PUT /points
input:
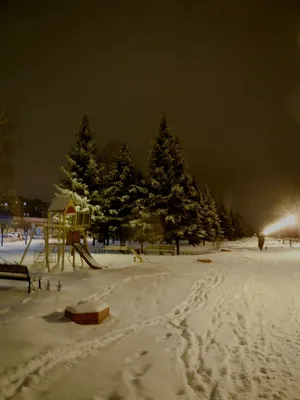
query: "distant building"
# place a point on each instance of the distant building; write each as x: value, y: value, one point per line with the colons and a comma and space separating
x: 34, y: 208
x: 23, y: 207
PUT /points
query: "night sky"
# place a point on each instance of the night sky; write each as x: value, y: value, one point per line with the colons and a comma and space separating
x: 225, y: 72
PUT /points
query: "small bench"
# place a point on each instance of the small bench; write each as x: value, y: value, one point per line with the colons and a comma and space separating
x: 160, y: 248
x: 20, y: 273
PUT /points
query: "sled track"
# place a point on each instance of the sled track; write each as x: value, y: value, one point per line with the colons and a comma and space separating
x: 27, y: 374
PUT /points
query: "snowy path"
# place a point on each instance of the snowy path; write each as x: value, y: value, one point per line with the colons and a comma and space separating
x: 227, y: 331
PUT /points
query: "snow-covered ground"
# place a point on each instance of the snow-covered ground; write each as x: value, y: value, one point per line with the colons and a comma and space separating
x: 178, y: 329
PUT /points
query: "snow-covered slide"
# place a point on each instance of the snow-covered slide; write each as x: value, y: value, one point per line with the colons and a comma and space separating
x: 86, y: 255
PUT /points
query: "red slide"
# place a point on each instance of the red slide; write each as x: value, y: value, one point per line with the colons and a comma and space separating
x: 85, y: 254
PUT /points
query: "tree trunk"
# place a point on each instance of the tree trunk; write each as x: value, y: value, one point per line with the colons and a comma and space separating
x: 107, y: 241
x: 142, y: 247
x: 94, y: 240
x: 177, y: 247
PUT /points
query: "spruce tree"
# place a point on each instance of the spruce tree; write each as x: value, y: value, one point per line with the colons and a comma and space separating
x: 237, y: 225
x: 145, y: 227
x: 241, y: 228
x: 232, y: 224
x: 211, y: 220
x: 225, y: 220
x: 108, y: 153
x: 196, y: 232
x: 170, y: 186
x: 81, y: 175
x: 120, y: 195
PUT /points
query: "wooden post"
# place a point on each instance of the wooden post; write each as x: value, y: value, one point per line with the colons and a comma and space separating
x: 85, y: 241
x: 74, y: 257
x: 63, y: 242
x: 28, y: 245
x: 58, y: 239
x: 46, y: 237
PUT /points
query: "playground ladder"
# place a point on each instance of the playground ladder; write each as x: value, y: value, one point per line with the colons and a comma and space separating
x: 39, y: 257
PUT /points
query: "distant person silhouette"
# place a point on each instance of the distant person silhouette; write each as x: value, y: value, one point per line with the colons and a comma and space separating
x: 261, y: 241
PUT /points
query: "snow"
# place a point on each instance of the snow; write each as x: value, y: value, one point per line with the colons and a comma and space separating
x: 178, y: 329
x: 87, y: 306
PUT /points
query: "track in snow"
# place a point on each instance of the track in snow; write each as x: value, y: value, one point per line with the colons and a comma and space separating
x: 28, y: 374
x: 242, y: 354
x: 251, y: 364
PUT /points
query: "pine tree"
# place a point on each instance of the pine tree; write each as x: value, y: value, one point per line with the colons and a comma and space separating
x: 108, y: 154
x: 120, y: 195
x: 170, y: 186
x: 232, y: 224
x: 237, y: 225
x: 241, y: 228
x: 225, y: 220
x: 144, y: 225
x: 196, y: 232
x: 211, y: 220
x: 81, y: 180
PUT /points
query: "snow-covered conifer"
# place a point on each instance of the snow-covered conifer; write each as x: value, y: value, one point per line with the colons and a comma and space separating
x: 225, y: 220
x: 211, y: 220
x: 170, y: 187
x: 81, y: 175
x: 121, y: 192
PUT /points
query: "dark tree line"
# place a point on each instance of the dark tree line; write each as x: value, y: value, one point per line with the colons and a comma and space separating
x: 165, y: 204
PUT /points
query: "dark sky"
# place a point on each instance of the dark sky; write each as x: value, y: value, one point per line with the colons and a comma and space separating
x: 225, y: 72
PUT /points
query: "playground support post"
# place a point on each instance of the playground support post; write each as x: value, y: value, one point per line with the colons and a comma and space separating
x: 26, y: 233
x: 46, y: 238
x: 63, y: 243
x: 28, y: 245
x: 2, y: 233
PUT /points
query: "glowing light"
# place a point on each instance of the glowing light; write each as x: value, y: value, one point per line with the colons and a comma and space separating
x: 283, y: 223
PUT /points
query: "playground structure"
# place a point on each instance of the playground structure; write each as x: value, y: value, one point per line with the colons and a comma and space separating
x: 66, y: 226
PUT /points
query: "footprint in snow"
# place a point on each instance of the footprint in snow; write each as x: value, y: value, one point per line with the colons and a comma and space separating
x: 166, y: 336
x: 263, y: 370
x: 136, y: 356
x: 143, y: 352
